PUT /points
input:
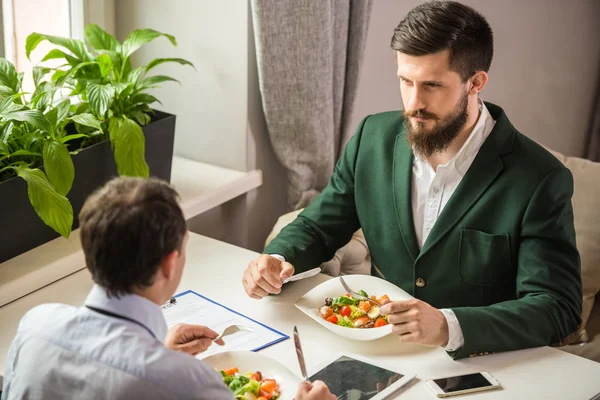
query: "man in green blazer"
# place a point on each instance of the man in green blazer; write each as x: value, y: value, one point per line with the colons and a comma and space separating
x: 458, y: 208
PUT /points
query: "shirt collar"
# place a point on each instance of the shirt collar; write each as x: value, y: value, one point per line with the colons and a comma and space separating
x: 471, y: 146
x: 131, y: 306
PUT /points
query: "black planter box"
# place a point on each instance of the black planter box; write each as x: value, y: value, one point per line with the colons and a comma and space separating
x: 20, y: 227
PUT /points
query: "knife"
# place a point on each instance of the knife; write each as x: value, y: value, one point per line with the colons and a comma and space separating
x: 302, y: 275
x: 300, y: 355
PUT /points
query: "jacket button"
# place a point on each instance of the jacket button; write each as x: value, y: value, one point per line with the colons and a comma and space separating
x: 420, y: 282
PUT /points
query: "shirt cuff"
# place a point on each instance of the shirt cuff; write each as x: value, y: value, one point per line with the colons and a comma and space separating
x: 278, y: 256
x: 456, y: 340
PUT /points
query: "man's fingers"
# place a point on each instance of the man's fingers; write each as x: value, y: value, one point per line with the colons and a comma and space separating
x: 252, y: 289
x: 220, y: 342
x: 398, y: 306
x: 403, y: 316
x: 195, y: 346
x: 403, y: 329
x: 265, y: 278
x: 303, y: 389
x: 287, y: 270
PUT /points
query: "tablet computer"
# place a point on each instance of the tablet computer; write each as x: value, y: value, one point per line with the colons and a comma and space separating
x: 350, y: 376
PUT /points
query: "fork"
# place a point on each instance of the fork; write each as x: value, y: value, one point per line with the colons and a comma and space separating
x: 354, y: 394
x: 234, y: 328
x: 358, y: 295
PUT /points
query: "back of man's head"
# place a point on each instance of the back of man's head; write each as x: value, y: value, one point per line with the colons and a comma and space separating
x: 127, y: 227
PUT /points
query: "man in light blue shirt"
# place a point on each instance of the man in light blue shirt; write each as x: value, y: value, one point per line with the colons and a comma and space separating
x: 116, y: 346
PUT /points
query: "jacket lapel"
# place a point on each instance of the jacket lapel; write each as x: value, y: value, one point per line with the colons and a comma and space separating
x: 480, y: 175
x: 402, y: 192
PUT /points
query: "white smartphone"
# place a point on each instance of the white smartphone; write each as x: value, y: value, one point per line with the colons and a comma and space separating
x: 455, y: 385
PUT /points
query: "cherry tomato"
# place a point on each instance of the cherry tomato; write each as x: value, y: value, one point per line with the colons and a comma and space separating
x: 380, y: 322
x: 231, y: 371
x: 345, y: 311
x: 333, y: 319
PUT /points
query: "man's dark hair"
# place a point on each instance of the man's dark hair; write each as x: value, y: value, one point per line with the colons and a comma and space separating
x: 439, y: 25
x: 127, y: 227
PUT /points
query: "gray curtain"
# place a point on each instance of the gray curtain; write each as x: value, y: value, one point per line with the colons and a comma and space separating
x: 308, y: 54
x: 593, y: 138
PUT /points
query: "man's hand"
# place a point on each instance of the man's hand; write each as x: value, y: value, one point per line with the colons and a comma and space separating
x: 264, y: 275
x: 316, y: 390
x: 191, y: 339
x: 417, y: 322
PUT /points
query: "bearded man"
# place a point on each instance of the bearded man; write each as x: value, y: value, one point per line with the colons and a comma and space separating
x: 458, y: 208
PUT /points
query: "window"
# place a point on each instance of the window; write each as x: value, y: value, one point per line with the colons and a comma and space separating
x: 52, y: 17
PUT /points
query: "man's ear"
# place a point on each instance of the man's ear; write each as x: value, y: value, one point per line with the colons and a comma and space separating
x: 478, y: 82
x: 168, y: 264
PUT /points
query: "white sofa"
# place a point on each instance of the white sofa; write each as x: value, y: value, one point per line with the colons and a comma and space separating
x: 354, y: 257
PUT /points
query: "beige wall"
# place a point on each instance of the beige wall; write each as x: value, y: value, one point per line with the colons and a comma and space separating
x: 219, y: 111
x: 211, y: 103
x: 544, y: 74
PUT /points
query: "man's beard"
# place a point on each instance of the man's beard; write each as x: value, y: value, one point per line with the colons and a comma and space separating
x: 427, y: 142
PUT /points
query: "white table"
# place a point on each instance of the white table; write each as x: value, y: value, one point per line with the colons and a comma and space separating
x: 214, y: 269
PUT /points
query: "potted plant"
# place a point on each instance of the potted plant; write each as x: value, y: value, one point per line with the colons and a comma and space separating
x: 87, y: 120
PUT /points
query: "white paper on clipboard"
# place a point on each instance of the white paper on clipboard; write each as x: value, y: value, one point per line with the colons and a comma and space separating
x: 193, y: 308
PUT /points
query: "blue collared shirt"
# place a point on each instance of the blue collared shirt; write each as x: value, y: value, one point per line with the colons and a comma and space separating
x: 67, y: 352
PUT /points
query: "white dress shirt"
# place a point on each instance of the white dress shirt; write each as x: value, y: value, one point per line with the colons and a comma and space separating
x: 431, y: 191
x: 77, y: 353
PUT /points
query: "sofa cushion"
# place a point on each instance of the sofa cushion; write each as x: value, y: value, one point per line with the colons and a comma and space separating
x: 586, y: 197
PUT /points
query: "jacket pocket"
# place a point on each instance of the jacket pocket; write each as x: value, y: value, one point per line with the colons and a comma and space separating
x: 483, y: 258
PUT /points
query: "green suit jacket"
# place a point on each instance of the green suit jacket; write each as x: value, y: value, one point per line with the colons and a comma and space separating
x: 501, y: 255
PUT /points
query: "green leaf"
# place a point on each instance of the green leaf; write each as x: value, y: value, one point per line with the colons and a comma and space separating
x: 58, y: 113
x: 6, y: 91
x: 7, y: 131
x: 9, y: 76
x: 159, y: 61
x: 4, y: 150
x: 68, y: 138
x: 144, y: 98
x: 33, y: 117
x: 105, y: 63
x: 24, y: 153
x: 54, y: 54
x: 87, y: 120
x: 140, y: 37
x: 129, y: 149
x: 58, y: 165
x: 54, y: 209
x: 39, y: 73
x: 100, y: 97
x: 99, y: 39
x: 76, y: 47
x: 123, y: 89
x: 134, y: 75
x: 154, y: 80
x: 141, y: 117
x: 63, y: 109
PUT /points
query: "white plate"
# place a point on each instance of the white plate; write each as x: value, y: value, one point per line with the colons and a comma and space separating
x: 312, y: 301
x: 248, y: 361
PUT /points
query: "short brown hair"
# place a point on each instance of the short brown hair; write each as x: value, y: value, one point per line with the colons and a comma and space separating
x: 127, y: 227
x: 440, y: 25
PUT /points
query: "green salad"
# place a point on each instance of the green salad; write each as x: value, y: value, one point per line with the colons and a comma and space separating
x: 250, y: 386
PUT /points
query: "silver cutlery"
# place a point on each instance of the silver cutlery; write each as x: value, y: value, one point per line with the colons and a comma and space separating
x: 231, y: 329
x: 354, y: 394
x: 300, y: 355
x: 303, y: 275
x: 358, y: 295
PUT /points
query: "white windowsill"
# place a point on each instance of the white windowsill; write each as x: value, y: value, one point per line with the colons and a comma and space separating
x: 201, y: 187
